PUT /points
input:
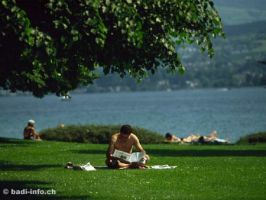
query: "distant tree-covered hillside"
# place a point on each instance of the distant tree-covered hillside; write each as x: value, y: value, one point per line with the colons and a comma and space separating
x: 241, y: 11
x: 247, y: 4
x: 235, y: 64
x: 244, y: 29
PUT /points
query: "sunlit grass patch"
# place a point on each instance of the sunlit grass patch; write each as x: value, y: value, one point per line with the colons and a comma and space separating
x: 203, y: 172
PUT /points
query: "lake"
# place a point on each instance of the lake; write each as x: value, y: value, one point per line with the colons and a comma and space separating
x: 232, y: 113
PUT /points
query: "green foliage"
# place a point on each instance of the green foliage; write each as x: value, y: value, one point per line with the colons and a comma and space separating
x: 254, y: 138
x: 96, y: 134
x: 55, y: 46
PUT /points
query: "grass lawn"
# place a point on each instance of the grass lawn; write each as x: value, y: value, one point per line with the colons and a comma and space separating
x: 203, y: 172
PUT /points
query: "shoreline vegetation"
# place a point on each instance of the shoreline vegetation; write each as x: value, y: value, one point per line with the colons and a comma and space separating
x: 100, y: 134
x: 96, y: 134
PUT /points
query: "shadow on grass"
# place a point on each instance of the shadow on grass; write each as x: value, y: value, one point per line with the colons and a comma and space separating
x: 206, y: 153
x: 31, y: 190
x: 6, y: 166
x: 15, y: 141
x: 190, y: 153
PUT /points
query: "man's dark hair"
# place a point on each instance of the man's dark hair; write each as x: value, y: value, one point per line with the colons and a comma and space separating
x: 126, y: 129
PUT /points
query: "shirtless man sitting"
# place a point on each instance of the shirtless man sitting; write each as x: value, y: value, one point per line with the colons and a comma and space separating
x: 124, y: 141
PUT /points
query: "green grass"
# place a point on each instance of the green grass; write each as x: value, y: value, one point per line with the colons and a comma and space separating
x: 203, y: 172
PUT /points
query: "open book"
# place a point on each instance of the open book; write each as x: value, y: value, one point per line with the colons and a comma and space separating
x: 134, y: 157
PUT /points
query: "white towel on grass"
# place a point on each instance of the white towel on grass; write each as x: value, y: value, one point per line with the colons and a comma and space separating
x: 162, y: 167
x: 87, y: 167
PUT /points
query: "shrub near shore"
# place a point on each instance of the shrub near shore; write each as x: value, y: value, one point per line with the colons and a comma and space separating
x: 96, y: 134
x: 100, y: 134
x: 254, y: 138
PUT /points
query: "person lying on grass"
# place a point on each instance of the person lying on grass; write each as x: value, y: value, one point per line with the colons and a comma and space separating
x: 212, y: 138
x: 124, y: 141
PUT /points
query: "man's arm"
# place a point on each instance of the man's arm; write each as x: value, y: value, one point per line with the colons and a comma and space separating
x: 111, y: 147
x: 33, y: 132
x: 137, y: 144
x: 140, y: 149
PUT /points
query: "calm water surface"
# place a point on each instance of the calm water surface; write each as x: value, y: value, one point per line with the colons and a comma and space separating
x: 232, y: 113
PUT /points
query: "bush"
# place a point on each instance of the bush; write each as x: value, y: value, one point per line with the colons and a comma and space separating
x: 96, y: 134
x: 259, y: 137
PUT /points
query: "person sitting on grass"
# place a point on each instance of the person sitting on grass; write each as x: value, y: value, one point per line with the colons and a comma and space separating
x: 29, y: 131
x: 125, y: 140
